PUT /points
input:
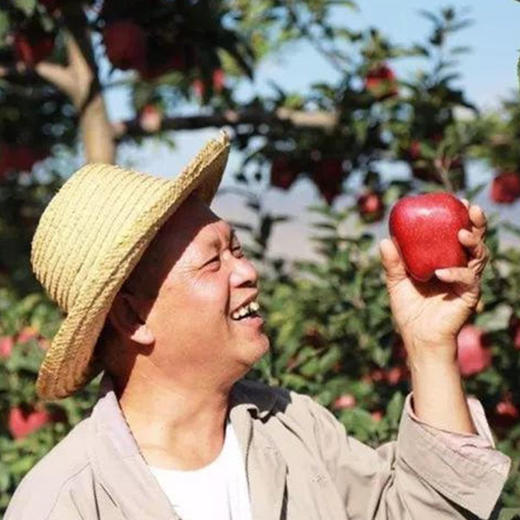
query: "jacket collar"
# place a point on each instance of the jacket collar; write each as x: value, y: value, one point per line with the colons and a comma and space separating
x: 120, y: 466
x: 253, y: 397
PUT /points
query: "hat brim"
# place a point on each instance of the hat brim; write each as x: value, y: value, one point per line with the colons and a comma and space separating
x: 67, y: 364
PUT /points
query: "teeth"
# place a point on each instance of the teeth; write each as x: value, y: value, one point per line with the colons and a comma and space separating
x: 245, y: 310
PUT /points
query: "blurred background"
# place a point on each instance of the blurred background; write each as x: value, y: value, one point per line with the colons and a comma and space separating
x: 336, y: 109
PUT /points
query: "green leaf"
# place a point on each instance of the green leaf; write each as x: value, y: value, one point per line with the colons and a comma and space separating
x: 27, y: 6
x: 473, y: 192
x: 496, y: 319
x: 394, y: 409
x: 4, y: 26
x: 509, y: 513
x: 512, y: 228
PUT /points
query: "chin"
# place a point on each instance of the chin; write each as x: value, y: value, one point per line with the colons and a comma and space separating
x: 255, y: 350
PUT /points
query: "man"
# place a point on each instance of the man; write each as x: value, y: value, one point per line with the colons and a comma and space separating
x: 158, y: 285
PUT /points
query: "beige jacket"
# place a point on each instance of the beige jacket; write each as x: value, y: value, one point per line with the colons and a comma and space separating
x: 300, y: 463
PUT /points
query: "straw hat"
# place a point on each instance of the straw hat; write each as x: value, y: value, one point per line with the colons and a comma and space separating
x: 89, y: 239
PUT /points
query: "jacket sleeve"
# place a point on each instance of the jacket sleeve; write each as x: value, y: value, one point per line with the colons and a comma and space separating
x: 42, y: 497
x: 425, y: 474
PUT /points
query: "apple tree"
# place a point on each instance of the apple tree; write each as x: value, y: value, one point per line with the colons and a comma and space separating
x: 329, y: 320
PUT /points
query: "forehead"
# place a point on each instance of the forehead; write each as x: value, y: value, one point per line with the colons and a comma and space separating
x: 193, y: 226
x: 188, y: 230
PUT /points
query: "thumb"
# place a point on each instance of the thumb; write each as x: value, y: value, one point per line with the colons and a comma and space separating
x: 391, y: 260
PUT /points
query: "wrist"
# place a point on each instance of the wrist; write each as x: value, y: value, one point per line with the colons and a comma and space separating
x: 432, y: 354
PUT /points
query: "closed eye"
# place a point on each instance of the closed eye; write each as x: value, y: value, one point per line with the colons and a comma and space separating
x: 237, y: 251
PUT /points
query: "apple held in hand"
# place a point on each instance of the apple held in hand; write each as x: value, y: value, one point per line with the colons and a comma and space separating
x: 425, y: 229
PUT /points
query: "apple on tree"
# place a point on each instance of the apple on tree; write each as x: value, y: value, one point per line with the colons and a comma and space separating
x: 150, y: 118
x: 328, y: 176
x: 284, y: 171
x: 505, y: 414
x: 6, y: 346
x: 344, y: 402
x: 370, y: 205
x: 24, y: 421
x: 33, y: 45
x: 218, y: 79
x: 514, y: 331
x: 473, y: 352
x: 425, y: 229
x: 505, y: 188
x: 380, y: 81
x: 18, y: 157
x: 125, y: 44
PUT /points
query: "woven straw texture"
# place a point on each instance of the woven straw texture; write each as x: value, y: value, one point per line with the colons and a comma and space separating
x: 89, y: 239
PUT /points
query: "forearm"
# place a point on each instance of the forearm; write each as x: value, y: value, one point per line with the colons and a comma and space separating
x: 438, y: 395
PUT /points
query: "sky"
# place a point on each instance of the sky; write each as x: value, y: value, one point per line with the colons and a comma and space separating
x: 488, y: 74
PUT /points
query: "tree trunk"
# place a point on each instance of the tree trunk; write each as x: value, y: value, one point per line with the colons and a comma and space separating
x: 97, y: 134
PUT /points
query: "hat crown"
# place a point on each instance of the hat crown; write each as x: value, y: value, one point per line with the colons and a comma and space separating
x: 83, y: 223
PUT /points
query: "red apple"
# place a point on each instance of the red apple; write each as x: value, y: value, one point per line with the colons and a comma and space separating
x: 425, y: 228
x: 219, y: 80
x: 371, y: 206
x: 374, y: 376
x: 284, y: 172
x: 473, y: 352
x: 380, y: 82
x: 24, y: 422
x: 198, y: 87
x: 377, y: 415
x: 396, y: 375
x: 150, y: 118
x: 506, y: 414
x: 344, y: 402
x: 125, y: 44
x: 328, y: 177
x: 16, y: 157
x: 514, y: 331
x: 414, y: 151
x: 505, y: 188
x: 33, y: 47
x: 6, y: 346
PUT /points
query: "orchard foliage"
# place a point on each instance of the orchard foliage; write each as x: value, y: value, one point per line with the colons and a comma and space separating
x: 181, y: 65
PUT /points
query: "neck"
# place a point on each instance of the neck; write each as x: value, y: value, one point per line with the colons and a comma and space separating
x: 175, y: 426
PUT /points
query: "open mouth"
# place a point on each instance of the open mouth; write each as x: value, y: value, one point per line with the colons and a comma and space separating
x: 248, y: 311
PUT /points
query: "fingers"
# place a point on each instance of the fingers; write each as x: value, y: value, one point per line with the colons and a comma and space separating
x: 462, y: 275
x: 474, y: 244
x: 391, y: 260
x: 473, y: 240
x: 478, y: 220
x: 476, y: 216
x: 469, y: 239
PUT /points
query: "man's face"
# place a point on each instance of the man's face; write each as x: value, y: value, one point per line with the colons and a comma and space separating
x: 202, y: 277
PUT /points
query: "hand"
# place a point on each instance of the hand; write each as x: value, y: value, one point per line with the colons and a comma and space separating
x: 429, y: 315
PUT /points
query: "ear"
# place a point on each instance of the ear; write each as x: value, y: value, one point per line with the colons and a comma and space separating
x: 125, y: 316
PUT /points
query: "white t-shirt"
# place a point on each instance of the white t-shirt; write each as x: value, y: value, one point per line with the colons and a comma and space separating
x: 218, y: 491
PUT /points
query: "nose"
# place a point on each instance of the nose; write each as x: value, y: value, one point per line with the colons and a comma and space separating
x: 243, y: 272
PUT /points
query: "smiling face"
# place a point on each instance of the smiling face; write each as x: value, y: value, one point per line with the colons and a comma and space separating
x: 201, y: 276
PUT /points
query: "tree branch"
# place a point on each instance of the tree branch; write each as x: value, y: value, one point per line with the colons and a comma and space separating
x: 79, y: 81
x: 323, y: 120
